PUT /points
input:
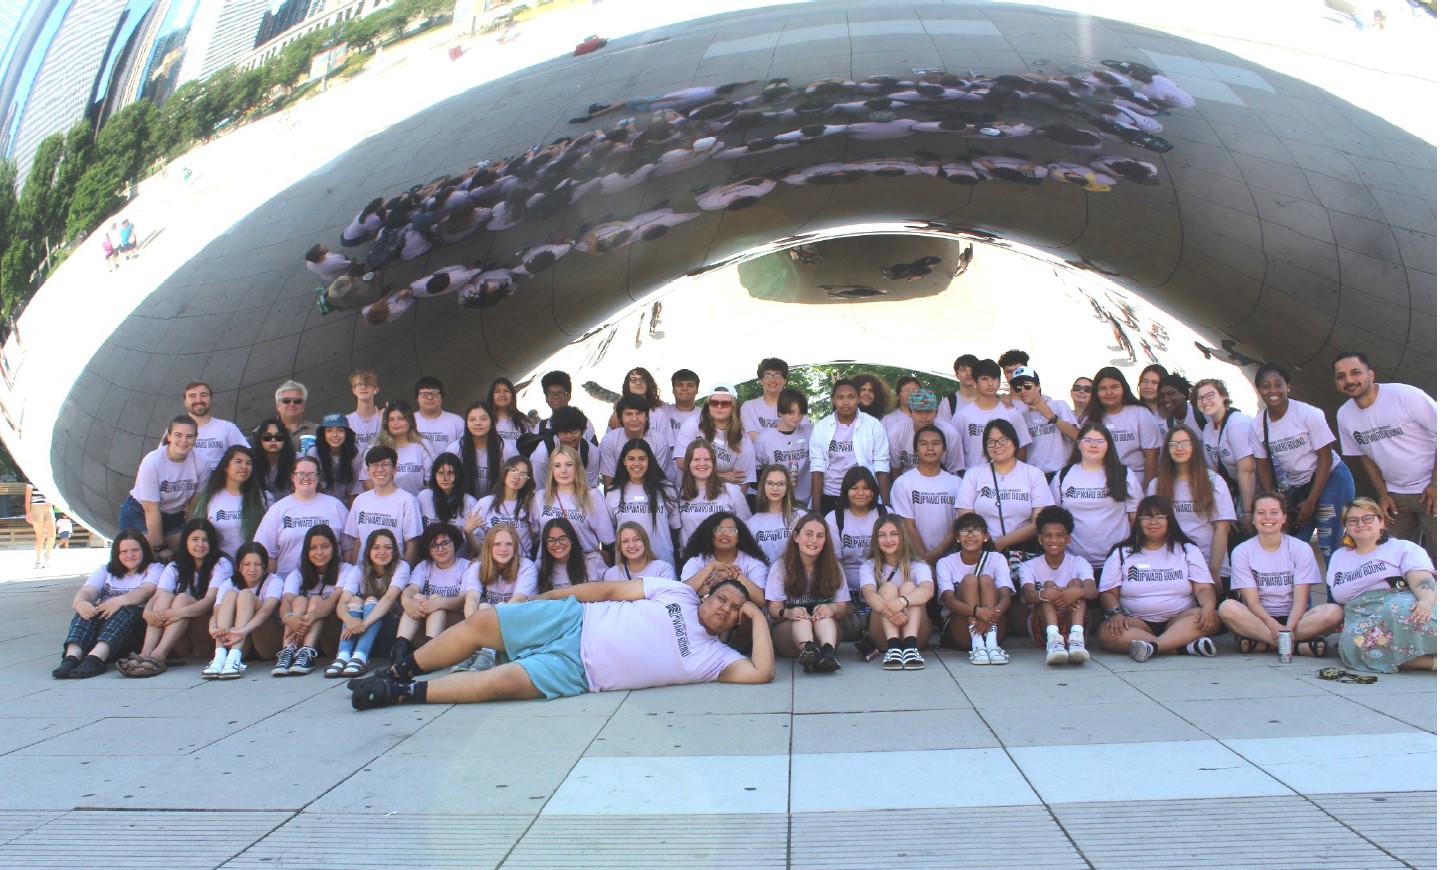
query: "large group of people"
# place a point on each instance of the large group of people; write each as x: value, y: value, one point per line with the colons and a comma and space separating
x: 696, y: 540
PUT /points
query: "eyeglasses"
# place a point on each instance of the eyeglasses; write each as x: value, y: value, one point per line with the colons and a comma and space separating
x: 1093, y: 442
x: 1178, y: 445
x: 556, y: 394
x: 635, y: 379
x: 778, y: 483
x: 290, y: 401
x: 270, y: 436
x: 1079, y: 388
x: 556, y: 541
x: 429, y: 394
x: 1154, y: 518
x: 305, y: 475
x: 522, y: 472
x: 1207, y: 397
x: 441, y: 544
x: 997, y: 442
x: 383, y: 465
x: 1354, y: 522
x: 773, y: 376
x: 967, y: 533
x: 726, y: 531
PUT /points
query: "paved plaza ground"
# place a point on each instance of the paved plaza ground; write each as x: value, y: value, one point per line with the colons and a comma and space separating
x: 1235, y: 761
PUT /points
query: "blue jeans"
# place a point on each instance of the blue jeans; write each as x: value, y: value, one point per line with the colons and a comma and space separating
x: 362, y: 644
x: 132, y: 516
x: 1339, y: 490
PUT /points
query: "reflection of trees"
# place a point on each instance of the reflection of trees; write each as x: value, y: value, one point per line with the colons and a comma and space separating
x: 77, y: 180
x: 815, y: 382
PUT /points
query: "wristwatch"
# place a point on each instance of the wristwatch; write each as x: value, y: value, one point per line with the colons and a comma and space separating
x: 1116, y: 611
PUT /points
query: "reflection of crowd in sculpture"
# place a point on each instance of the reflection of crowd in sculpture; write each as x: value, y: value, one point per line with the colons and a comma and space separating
x: 1101, y: 105
x: 693, y: 542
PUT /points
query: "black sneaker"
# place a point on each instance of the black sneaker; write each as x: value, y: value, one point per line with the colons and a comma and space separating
x: 401, y: 649
x: 810, y: 655
x: 828, y: 662
x: 371, y: 693
x: 303, y: 661
x: 68, y: 664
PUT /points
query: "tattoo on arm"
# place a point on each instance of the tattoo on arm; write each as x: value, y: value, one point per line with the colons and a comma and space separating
x: 1428, y: 585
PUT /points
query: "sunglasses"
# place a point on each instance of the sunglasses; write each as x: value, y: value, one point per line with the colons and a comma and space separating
x: 290, y: 401
x: 270, y: 436
x: 1019, y: 388
x: 1079, y: 389
x: 716, y: 403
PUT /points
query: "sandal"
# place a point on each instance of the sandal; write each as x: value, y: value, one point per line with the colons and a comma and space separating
x: 146, y: 666
x: 1251, y: 646
x: 1316, y: 647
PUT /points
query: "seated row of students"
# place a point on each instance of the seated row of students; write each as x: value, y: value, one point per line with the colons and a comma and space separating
x: 1155, y: 592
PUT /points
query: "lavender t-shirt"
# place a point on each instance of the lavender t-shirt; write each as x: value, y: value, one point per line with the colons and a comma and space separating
x: 789, y: 449
x: 1349, y: 573
x: 1200, y: 529
x: 851, y: 541
x: 1274, y: 575
x: 696, y: 511
x: 1134, y: 430
x: 1399, y: 432
x: 1294, y: 440
x: 777, y: 587
x: 286, y: 523
x: 658, y: 641
x: 1100, y: 521
x: 1005, y: 501
x: 1155, y: 584
x: 928, y: 501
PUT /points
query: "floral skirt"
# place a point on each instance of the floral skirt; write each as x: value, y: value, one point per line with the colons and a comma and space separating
x: 1378, y: 633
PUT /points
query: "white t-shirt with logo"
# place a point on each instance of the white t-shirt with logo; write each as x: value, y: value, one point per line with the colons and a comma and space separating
x: 918, y: 573
x: 171, y: 574
x: 1349, y: 573
x: 480, y: 486
x: 901, y: 454
x: 169, y: 484
x: 1399, y: 432
x: 448, y: 582
x: 852, y: 541
x: 1005, y: 501
x: 951, y: 571
x: 354, y: 581
x: 696, y: 511
x: 494, y: 514
x: 286, y: 523
x: 743, y: 458
x: 1134, y: 430
x: 270, y: 586
x: 614, y: 443
x: 1155, y: 584
x: 632, y: 503
x: 501, y: 590
x: 970, y: 420
x: 1273, y: 575
x: 1295, y: 440
x: 428, y: 515
x: 776, y: 589
x: 364, y: 431
x: 592, y: 522
x: 398, y: 512
x: 114, y: 587
x: 224, y: 512
x: 752, y: 568
x: 213, y: 439
x: 1071, y: 567
x: 1100, y: 521
x: 411, y: 473
x: 1230, y: 444
x: 1050, y: 449
x: 678, y: 418
x: 928, y: 501
x: 1200, y: 529
x: 441, y: 431
x: 293, y: 585
x: 540, y: 464
x: 772, y: 532
x: 657, y: 641
x: 758, y: 416
x: 656, y: 568
x: 774, y: 447
x: 840, y: 457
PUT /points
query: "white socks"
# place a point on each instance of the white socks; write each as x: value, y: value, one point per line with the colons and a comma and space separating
x: 219, y: 657
x: 978, y: 641
x: 991, y: 638
x: 234, y: 656
x: 1051, y: 633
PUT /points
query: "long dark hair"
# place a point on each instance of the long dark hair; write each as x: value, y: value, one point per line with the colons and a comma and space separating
x: 851, y: 478
x: 251, y: 548
x: 1117, y: 476
x: 527, y: 492
x: 1159, y: 369
x: 374, y: 583
x: 658, y: 489
x: 1149, y: 505
x: 574, y: 563
x: 879, y: 406
x: 193, y: 576
x: 469, y: 458
x: 282, y: 480
x: 311, y: 578
x: 653, y: 392
x: 115, y: 568
x: 343, y: 462
x: 827, y: 572
x: 1095, y: 411
x: 447, y: 505
x: 253, y: 504
x: 972, y: 520
x: 1198, y: 472
x: 700, y: 543
x: 513, y: 409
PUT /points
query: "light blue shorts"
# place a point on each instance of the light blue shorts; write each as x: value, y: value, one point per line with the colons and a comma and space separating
x: 543, y: 637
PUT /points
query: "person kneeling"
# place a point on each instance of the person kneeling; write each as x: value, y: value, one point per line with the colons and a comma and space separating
x: 595, y: 637
x: 1061, y: 585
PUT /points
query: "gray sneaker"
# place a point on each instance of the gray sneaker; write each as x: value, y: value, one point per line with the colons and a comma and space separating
x: 1054, y: 651
x: 1141, y: 650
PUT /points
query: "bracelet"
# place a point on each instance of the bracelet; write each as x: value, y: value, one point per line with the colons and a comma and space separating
x: 904, y: 599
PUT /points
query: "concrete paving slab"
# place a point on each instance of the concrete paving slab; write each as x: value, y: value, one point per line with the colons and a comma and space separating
x: 1203, y: 683
x: 474, y: 732
x: 775, y: 697
x: 1023, y: 836
x: 861, y: 780
x: 1287, y: 717
x: 1141, y: 772
x: 1404, y: 824
x: 134, y: 736
x: 689, y: 734
x: 1056, y: 689
x: 443, y: 785
x: 395, y: 840
x: 18, y: 733
x: 887, y: 731
x: 140, y: 840
x: 873, y: 688
x: 749, y: 842
x: 1087, y: 724
x: 1347, y: 762
x: 696, y: 785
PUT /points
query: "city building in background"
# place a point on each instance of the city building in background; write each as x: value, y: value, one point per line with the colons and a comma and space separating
x: 321, y: 13
x: 222, y: 32
x: 129, y: 73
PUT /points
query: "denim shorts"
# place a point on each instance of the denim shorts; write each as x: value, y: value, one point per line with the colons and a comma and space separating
x: 543, y: 637
x: 132, y: 516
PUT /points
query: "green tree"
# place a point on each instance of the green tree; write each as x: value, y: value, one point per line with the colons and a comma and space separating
x: 815, y: 382
x: 97, y: 196
x: 130, y: 140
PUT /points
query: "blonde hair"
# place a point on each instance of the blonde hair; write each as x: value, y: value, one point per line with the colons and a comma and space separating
x: 579, y: 489
x: 632, y: 525
x: 906, y: 554
x: 489, y: 572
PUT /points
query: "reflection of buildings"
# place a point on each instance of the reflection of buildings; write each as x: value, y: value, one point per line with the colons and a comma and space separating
x: 320, y: 14
x: 25, y: 33
x: 130, y: 73
x: 164, y: 67
x: 65, y: 86
x: 222, y: 31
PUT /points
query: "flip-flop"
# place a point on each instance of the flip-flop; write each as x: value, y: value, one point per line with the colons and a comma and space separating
x: 1316, y: 647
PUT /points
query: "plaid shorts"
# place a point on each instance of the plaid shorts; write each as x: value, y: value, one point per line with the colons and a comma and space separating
x: 123, y: 632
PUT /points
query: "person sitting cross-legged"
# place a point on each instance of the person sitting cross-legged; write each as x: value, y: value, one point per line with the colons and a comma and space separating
x: 624, y: 634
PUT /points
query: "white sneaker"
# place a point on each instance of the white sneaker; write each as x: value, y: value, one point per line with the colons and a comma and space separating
x: 1141, y: 650
x: 1078, y: 654
x: 1054, y: 651
x: 979, y: 656
x: 997, y: 656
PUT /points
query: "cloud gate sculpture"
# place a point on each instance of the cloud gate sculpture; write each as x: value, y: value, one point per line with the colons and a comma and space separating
x: 1283, y: 221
